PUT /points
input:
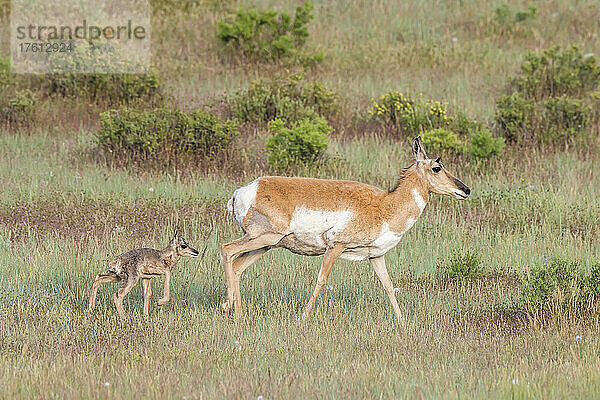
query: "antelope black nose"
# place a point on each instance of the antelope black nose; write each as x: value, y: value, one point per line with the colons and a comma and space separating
x: 467, y: 190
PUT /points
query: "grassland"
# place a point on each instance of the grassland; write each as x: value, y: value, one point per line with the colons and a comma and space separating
x: 64, y: 213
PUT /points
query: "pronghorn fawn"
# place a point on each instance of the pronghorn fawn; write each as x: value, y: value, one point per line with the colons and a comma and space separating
x: 128, y: 268
x: 340, y: 219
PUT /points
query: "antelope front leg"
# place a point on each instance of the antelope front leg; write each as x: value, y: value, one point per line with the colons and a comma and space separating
x: 331, y: 255
x: 378, y: 264
x: 166, y: 291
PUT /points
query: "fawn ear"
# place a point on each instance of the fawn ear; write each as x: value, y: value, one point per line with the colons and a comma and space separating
x: 176, y: 233
x: 419, y: 149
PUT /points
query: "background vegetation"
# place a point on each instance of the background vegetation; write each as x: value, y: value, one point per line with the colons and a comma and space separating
x: 500, y: 291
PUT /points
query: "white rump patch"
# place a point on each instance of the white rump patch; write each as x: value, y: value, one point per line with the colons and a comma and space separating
x: 316, y: 228
x: 241, y: 201
x: 418, y: 200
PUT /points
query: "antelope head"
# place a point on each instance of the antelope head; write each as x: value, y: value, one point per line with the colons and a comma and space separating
x: 437, y: 177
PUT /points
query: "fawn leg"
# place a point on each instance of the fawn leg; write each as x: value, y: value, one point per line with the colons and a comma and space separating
x: 166, y: 290
x: 122, y: 292
x: 100, y: 279
x: 147, y: 293
x: 331, y: 255
x: 378, y: 264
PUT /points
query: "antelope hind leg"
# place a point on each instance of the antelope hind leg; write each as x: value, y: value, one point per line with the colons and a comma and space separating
x: 237, y: 247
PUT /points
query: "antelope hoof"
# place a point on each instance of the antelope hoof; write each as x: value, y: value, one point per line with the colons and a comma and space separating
x: 162, y: 301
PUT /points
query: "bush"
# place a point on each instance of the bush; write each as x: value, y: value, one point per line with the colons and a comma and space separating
x: 114, y: 88
x: 484, y: 145
x: 401, y: 113
x: 441, y: 139
x: 266, y: 35
x: 303, y: 143
x: 21, y: 105
x: 565, y: 116
x: 463, y: 265
x: 407, y: 115
x: 290, y: 98
x: 102, y: 84
x: 506, y: 16
x: 556, y: 73
x: 513, y: 113
x: 561, y: 283
x: 140, y: 135
x: 552, y: 97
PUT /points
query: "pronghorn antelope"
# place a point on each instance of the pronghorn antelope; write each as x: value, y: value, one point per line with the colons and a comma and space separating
x: 340, y: 219
x: 128, y: 268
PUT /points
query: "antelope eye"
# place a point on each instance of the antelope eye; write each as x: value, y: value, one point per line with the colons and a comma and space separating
x: 184, y: 246
x: 436, y: 169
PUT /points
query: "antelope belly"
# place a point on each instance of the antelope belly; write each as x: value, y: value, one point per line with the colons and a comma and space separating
x: 315, y: 230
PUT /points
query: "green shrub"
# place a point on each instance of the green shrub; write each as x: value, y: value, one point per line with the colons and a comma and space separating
x: 408, y: 116
x: 441, y: 139
x: 401, y: 112
x: 290, y: 98
x: 565, y: 116
x: 114, y: 88
x: 484, y: 145
x: 560, y: 283
x: 463, y: 265
x: 102, y: 84
x: 140, y: 135
x: 514, y: 113
x: 22, y: 103
x: 506, y: 16
x: 267, y: 35
x: 303, y: 143
x: 552, y: 98
x: 556, y: 73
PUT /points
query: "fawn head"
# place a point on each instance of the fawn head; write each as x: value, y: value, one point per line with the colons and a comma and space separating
x: 179, y: 246
x: 433, y: 172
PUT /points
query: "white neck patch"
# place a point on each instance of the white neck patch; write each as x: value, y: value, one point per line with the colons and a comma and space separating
x: 418, y: 200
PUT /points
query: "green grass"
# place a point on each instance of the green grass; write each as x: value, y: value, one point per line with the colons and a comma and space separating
x: 461, y: 340
x: 64, y: 212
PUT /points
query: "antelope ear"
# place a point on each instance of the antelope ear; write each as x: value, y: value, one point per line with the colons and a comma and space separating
x: 176, y: 233
x: 419, y: 149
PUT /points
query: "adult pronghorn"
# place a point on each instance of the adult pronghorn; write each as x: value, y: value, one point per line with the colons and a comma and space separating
x: 341, y: 219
